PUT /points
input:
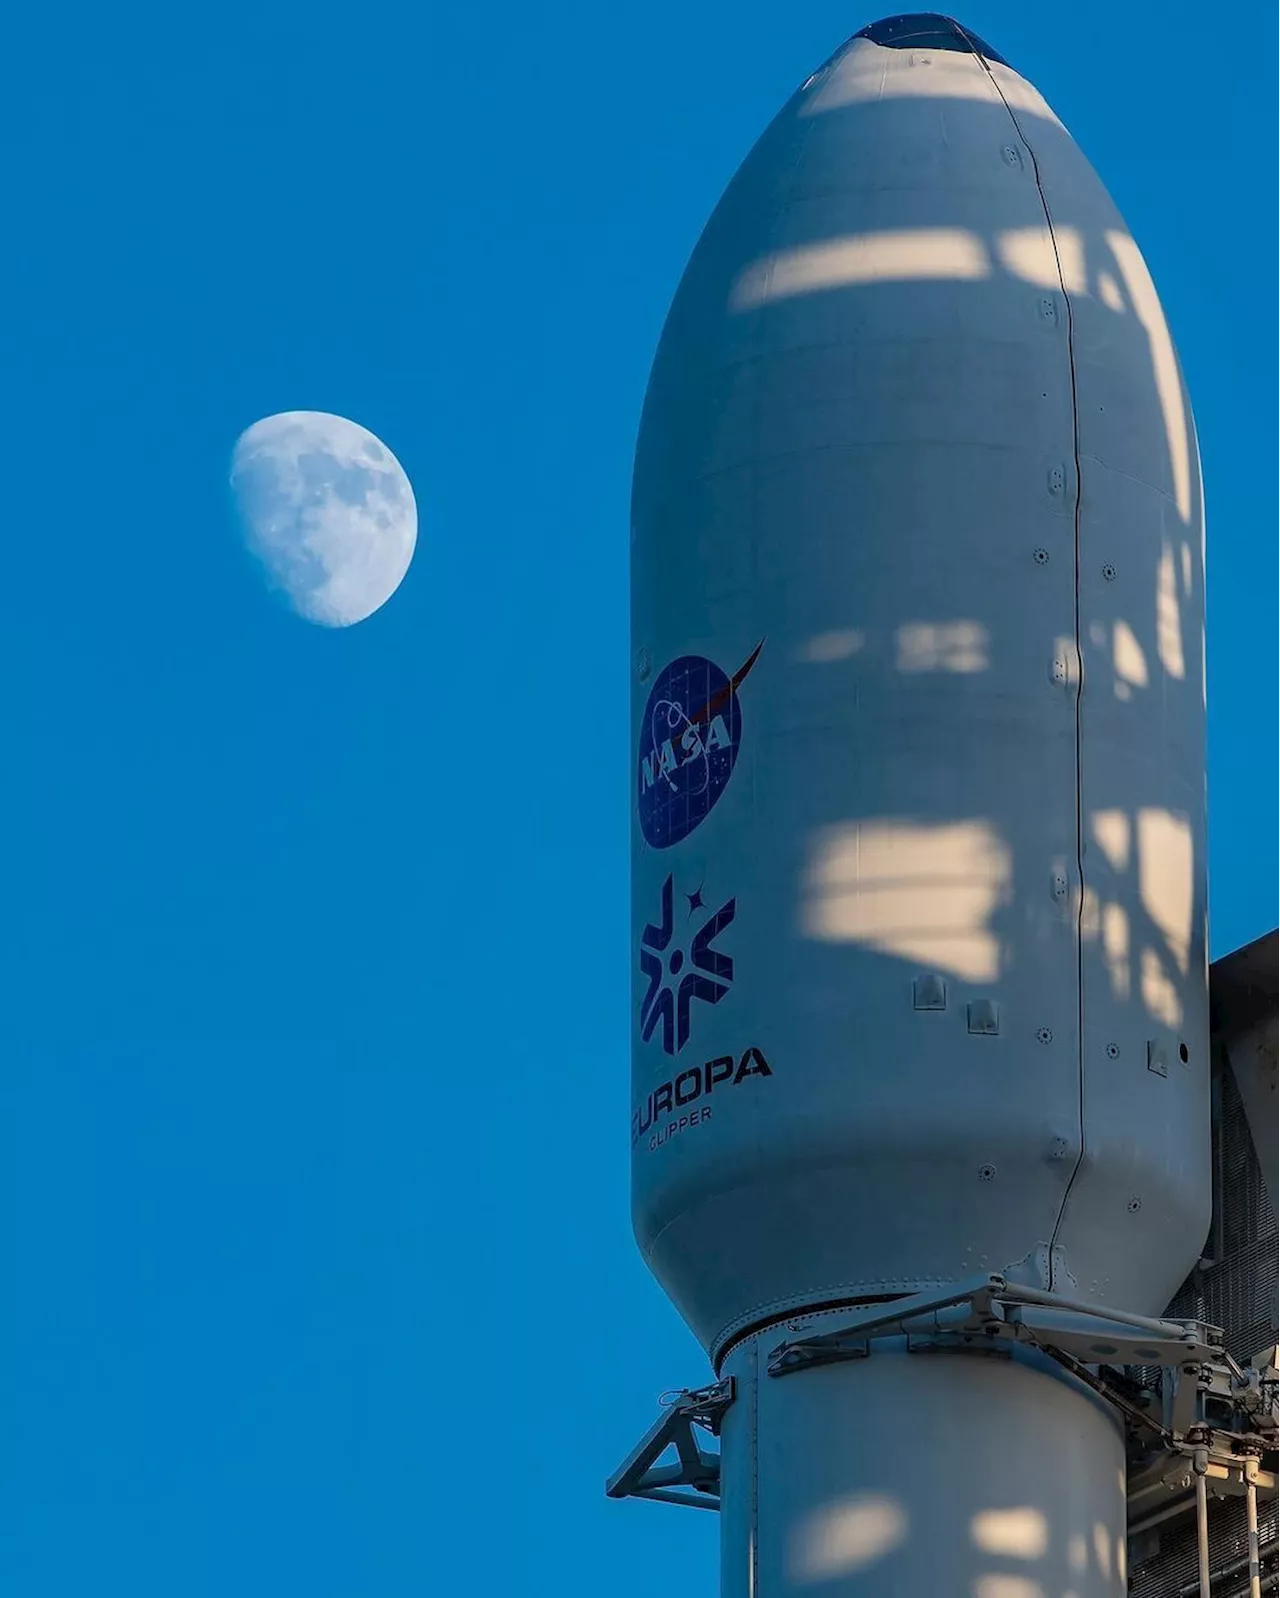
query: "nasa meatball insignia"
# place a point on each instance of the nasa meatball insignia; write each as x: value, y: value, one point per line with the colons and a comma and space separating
x: 689, y: 739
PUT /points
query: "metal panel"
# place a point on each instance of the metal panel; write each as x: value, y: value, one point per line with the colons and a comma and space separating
x: 1139, y: 530
x: 1243, y: 993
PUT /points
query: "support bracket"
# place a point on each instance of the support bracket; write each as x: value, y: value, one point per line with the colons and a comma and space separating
x: 697, y: 1471
x: 1207, y: 1405
x: 990, y: 1309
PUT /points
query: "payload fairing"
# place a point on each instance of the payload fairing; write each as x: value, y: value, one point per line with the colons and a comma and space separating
x: 921, y: 1064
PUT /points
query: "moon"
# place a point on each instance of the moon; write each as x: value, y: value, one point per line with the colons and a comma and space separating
x: 327, y: 511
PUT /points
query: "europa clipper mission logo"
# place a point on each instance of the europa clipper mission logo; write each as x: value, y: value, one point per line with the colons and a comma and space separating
x: 707, y: 978
x: 682, y: 968
x: 689, y: 741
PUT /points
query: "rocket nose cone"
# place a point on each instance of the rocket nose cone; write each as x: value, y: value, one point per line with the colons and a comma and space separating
x: 927, y: 30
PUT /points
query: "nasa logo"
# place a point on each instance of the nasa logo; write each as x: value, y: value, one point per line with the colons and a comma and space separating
x: 688, y: 745
x: 708, y: 979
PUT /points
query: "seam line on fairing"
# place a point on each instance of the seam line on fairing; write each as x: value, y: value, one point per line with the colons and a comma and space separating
x: 753, y: 1571
x: 1075, y: 445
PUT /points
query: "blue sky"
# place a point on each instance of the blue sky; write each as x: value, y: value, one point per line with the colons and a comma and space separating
x: 313, y: 1164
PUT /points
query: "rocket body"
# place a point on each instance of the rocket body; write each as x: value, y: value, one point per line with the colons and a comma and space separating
x: 919, y: 893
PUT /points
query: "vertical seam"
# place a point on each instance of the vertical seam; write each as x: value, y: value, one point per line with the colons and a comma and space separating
x: 753, y: 1574
x: 1079, y: 687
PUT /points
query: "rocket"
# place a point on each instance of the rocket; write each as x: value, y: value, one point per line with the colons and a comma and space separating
x: 920, y: 1129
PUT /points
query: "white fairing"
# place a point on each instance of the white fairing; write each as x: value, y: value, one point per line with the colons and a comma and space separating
x: 916, y: 429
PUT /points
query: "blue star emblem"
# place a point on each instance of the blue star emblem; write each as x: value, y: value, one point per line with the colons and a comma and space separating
x: 672, y: 988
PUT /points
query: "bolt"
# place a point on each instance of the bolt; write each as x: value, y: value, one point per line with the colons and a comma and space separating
x: 1041, y: 557
x: 1113, y: 1051
x: 1109, y: 572
x: 1045, y: 1035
